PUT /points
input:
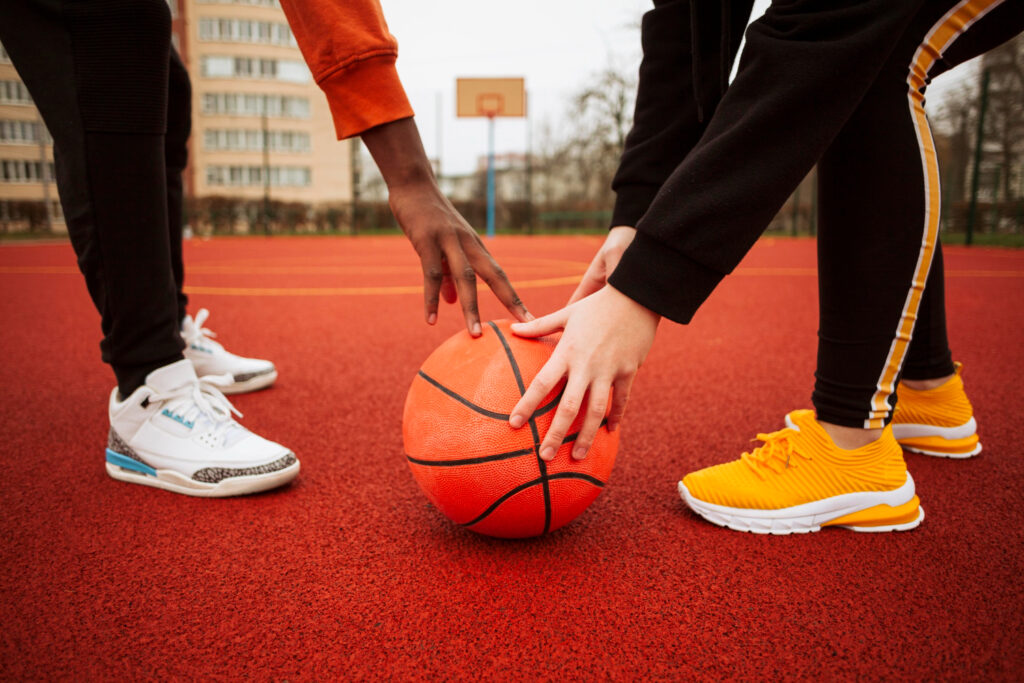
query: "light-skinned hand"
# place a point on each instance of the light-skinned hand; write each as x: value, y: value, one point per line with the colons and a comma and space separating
x: 604, y: 262
x: 605, y: 338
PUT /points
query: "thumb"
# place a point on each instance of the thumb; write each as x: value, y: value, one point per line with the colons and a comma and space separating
x: 543, y: 325
x: 592, y: 281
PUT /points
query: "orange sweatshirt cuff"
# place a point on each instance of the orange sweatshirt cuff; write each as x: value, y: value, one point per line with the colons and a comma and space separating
x: 365, y: 95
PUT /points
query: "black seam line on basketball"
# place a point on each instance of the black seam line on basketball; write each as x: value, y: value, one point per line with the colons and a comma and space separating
x: 554, y: 402
x: 541, y: 465
x: 572, y: 437
x: 539, y: 480
x: 576, y: 475
x: 494, y: 506
x: 469, y: 461
x: 469, y: 404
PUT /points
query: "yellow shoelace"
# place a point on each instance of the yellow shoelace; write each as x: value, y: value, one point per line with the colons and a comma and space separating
x: 775, y: 454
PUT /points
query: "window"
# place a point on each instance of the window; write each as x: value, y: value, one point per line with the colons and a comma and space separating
x: 218, y: 67
x: 251, y: 140
x: 22, y: 132
x: 290, y: 70
x: 252, y: 176
x: 258, y: 3
x: 246, y: 31
x: 23, y: 171
x: 14, y: 92
x: 239, y: 104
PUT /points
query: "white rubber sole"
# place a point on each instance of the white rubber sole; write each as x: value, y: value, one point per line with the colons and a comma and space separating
x: 169, y: 480
x: 939, y: 442
x: 914, y: 431
x: 808, y: 517
x: 940, y: 454
x: 252, y: 384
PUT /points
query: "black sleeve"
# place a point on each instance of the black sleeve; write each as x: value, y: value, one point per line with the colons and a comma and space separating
x: 806, y: 67
x: 687, y: 59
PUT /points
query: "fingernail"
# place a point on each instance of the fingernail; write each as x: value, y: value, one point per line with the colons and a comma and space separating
x: 476, y: 329
x: 432, y: 318
x: 530, y: 316
x: 579, y: 453
x: 516, y: 421
x: 547, y: 453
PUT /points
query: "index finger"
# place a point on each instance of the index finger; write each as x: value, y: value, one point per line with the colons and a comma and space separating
x: 491, y: 273
x: 543, y: 383
x: 464, y: 278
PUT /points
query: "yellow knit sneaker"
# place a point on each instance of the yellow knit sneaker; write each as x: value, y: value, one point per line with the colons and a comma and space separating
x: 800, y: 481
x: 937, y: 421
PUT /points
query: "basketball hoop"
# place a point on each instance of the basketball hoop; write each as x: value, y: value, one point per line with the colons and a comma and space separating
x: 490, y: 98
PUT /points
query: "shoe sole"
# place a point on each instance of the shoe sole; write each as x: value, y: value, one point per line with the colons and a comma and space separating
x: 252, y: 384
x: 169, y: 480
x: 868, y: 512
x: 943, y: 442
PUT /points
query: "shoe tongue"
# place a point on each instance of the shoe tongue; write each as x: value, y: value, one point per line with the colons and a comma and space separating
x: 804, y: 420
x: 170, y: 377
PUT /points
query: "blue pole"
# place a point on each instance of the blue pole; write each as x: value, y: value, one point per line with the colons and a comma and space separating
x: 490, y: 176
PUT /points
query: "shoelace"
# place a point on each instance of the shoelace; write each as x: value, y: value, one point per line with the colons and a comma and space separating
x: 195, y: 334
x: 202, y: 400
x: 775, y: 454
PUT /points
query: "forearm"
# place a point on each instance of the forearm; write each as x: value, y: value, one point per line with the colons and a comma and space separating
x: 672, y: 106
x: 806, y: 68
x: 398, y: 151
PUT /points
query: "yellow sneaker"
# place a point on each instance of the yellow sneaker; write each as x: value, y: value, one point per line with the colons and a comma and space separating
x: 937, y: 421
x: 800, y: 481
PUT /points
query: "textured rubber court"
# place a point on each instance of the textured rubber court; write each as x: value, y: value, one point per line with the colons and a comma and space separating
x: 350, y: 574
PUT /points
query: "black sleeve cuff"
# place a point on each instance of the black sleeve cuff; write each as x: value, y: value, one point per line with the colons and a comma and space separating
x: 631, y: 202
x: 671, y: 284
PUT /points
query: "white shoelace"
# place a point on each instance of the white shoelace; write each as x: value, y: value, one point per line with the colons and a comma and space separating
x: 195, y: 334
x: 200, y: 402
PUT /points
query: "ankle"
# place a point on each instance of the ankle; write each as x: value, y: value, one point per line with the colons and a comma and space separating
x: 850, y: 438
x: 926, y: 384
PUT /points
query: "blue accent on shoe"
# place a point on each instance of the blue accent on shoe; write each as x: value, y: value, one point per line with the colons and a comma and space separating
x: 129, y: 463
x: 177, y: 418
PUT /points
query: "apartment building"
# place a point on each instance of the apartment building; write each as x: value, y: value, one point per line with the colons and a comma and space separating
x: 250, y: 85
x: 26, y: 160
x: 261, y: 127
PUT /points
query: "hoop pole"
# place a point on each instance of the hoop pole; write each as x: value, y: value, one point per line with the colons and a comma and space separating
x: 490, y: 177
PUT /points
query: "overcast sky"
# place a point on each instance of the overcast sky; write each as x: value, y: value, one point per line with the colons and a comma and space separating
x: 554, y: 44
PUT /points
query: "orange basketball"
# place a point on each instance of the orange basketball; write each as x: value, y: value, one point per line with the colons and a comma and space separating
x: 473, y: 466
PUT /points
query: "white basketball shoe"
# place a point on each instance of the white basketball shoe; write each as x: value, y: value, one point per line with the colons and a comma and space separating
x: 210, y: 358
x: 176, y: 432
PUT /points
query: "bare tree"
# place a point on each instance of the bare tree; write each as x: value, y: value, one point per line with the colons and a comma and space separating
x: 580, y: 163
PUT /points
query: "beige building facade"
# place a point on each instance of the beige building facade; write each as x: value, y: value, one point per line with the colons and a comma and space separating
x: 26, y: 160
x: 249, y: 82
x: 260, y: 126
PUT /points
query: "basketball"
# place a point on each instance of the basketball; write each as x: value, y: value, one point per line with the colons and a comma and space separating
x: 473, y: 466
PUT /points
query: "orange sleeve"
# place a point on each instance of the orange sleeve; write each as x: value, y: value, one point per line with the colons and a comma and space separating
x: 352, y: 55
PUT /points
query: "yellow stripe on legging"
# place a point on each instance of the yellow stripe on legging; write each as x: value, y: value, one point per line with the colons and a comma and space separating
x: 949, y: 27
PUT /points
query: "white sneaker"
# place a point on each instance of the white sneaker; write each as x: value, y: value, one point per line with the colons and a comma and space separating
x: 210, y: 358
x: 176, y: 432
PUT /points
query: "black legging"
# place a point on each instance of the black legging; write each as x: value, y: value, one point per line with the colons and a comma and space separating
x: 100, y: 73
x: 834, y: 82
x: 872, y: 213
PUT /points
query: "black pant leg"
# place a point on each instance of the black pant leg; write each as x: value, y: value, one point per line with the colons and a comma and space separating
x: 929, y: 356
x: 179, y: 126
x: 878, y: 234
x: 98, y: 73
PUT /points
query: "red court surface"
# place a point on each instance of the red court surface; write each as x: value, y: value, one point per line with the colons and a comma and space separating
x: 350, y: 574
